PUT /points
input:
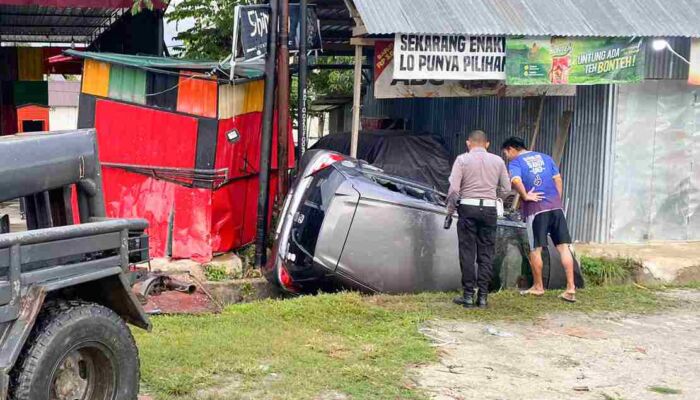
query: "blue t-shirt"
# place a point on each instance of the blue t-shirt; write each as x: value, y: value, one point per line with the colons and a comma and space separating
x: 537, y: 170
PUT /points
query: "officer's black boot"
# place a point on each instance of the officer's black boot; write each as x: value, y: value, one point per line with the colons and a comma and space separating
x: 482, y: 300
x: 466, y: 301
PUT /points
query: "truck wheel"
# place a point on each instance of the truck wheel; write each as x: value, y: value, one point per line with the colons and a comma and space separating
x: 77, y: 351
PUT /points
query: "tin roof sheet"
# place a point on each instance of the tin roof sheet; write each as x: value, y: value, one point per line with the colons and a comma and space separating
x: 532, y: 17
x: 244, y: 69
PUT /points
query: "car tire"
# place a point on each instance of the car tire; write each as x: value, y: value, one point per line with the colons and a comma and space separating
x: 77, y: 350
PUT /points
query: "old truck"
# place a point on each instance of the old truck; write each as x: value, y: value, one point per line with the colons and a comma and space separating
x: 65, y: 287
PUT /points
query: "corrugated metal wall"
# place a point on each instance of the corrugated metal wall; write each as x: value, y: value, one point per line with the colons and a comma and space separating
x: 64, y: 93
x: 30, y: 64
x: 585, y: 157
x: 197, y: 96
x: 664, y: 64
x: 656, y: 194
x: 127, y: 84
x: 240, y: 99
x: 96, y: 78
x: 63, y: 118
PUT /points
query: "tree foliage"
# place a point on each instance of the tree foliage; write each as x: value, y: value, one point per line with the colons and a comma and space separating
x: 211, y: 35
x: 331, y: 82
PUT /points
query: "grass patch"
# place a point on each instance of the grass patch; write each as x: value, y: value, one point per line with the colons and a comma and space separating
x: 353, y: 344
x: 608, y: 271
x: 664, y: 390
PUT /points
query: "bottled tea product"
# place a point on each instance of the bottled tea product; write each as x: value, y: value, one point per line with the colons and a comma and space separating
x: 561, y: 61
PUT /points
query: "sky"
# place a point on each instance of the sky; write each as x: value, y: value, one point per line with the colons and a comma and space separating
x: 171, y: 29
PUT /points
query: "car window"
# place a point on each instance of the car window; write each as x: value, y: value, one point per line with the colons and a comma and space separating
x: 311, y: 213
x: 406, y: 188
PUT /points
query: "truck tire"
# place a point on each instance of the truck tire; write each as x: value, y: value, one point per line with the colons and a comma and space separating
x: 77, y: 351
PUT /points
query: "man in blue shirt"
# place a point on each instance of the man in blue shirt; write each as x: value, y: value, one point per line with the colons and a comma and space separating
x: 536, y: 178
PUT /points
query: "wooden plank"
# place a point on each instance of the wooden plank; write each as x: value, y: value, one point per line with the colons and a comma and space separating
x: 562, y: 136
x: 538, y: 123
x: 359, y: 41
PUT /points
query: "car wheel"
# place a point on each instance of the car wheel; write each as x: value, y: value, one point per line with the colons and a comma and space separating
x: 77, y: 351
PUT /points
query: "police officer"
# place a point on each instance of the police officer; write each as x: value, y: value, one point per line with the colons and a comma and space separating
x: 474, y: 180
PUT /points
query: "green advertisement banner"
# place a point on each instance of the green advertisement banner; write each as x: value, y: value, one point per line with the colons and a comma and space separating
x: 573, y: 61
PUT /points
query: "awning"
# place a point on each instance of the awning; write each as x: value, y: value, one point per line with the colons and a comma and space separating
x: 649, y: 18
x: 247, y: 69
x: 103, y: 4
x: 59, y: 21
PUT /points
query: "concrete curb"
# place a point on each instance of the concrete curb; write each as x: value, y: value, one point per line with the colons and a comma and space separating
x: 242, y: 291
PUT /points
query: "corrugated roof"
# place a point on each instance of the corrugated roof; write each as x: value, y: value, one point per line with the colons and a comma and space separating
x: 533, y: 17
x: 60, y: 21
x: 246, y: 69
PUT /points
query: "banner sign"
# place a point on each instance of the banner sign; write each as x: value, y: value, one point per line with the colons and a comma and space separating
x: 694, y: 70
x: 575, y: 61
x: 449, y: 57
x: 386, y: 87
x: 254, y: 30
x: 313, y: 28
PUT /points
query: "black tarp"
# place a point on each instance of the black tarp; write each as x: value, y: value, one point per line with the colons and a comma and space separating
x: 419, y: 157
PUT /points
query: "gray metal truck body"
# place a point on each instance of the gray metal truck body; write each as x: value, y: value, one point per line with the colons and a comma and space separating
x: 77, y: 268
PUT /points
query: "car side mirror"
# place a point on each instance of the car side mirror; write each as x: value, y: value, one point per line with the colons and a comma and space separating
x: 233, y: 136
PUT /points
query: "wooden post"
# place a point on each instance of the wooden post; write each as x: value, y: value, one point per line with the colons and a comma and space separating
x: 283, y: 102
x: 562, y: 137
x: 357, y: 86
x: 538, y: 122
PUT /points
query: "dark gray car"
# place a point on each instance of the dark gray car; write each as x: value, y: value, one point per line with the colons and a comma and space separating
x: 346, y: 224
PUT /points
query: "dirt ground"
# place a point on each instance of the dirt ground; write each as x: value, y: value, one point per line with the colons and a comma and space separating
x: 574, y: 356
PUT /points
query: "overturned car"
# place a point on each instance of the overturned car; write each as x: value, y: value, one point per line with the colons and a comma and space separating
x: 349, y: 225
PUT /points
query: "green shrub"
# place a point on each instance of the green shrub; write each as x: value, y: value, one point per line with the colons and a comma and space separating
x: 607, y: 271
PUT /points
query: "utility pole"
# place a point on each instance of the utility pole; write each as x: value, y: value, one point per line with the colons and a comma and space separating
x: 266, y: 141
x: 303, y: 70
x: 356, y: 98
x: 283, y: 100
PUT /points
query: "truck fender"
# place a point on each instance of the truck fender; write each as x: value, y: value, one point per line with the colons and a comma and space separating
x: 114, y: 292
x: 16, y: 332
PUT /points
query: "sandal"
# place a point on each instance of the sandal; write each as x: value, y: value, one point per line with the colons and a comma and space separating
x: 568, y: 297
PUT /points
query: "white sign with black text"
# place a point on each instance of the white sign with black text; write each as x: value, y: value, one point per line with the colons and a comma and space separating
x: 449, y: 57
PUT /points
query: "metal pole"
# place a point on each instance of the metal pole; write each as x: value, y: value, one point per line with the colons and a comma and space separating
x: 266, y: 141
x: 234, y: 45
x: 283, y: 100
x: 303, y: 70
x: 357, y: 86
